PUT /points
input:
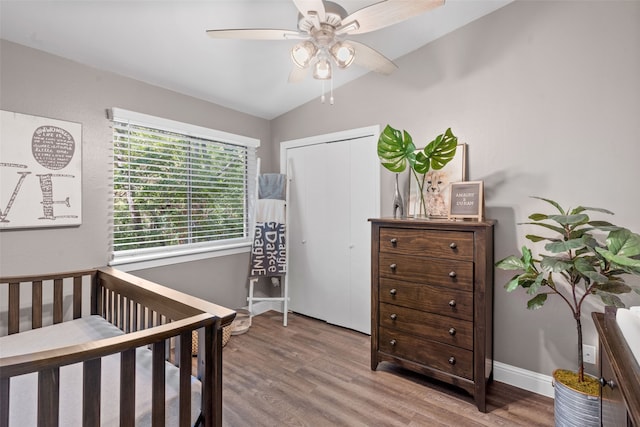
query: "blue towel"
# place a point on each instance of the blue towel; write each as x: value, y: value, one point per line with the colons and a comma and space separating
x: 272, y: 186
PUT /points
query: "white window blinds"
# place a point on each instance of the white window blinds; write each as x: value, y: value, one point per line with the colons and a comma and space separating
x: 178, y: 188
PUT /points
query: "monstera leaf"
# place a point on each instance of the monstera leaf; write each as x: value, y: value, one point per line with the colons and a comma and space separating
x: 437, y: 153
x: 396, y: 150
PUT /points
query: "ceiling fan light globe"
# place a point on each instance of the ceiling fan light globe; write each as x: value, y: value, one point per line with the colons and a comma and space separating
x: 343, y: 54
x: 303, y: 53
x: 322, y: 70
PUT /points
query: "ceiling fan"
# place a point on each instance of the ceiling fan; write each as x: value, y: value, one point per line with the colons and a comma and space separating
x: 322, y: 29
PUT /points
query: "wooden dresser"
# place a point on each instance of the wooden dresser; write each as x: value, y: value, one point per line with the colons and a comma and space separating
x: 432, y: 299
x: 619, y: 374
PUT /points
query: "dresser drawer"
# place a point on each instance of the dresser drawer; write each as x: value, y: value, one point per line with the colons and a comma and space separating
x: 443, y: 357
x: 433, y: 271
x: 443, y: 244
x: 434, y: 299
x: 444, y: 329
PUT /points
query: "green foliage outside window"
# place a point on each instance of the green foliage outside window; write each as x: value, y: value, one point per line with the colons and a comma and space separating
x: 175, y: 190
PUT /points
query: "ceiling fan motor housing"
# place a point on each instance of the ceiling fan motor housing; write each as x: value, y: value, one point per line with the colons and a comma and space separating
x: 334, y: 14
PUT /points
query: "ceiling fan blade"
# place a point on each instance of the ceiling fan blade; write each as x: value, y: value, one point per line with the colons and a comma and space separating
x: 298, y: 74
x: 372, y: 59
x: 384, y: 14
x: 306, y: 6
x: 256, y: 34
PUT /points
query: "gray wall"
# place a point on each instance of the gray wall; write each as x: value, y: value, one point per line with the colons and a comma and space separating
x: 547, y: 96
x: 37, y: 83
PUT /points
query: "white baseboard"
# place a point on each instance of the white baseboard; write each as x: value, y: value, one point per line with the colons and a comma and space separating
x: 512, y: 375
x: 260, y: 307
x: 521, y: 378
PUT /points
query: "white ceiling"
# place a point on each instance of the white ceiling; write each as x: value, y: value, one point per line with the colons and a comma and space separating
x: 163, y: 42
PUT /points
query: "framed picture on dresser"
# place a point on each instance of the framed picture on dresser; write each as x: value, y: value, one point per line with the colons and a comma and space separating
x: 435, y: 187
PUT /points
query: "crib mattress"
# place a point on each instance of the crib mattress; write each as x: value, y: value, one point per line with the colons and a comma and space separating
x: 23, y: 389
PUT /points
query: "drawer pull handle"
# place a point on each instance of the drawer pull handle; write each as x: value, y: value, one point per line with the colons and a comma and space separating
x: 452, y: 303
x: 604, y: 383
x: 393, y: 343
x: 393, y: 266
x: 452, y: 274
x: 394, y: 241
x: 393, y: 316
x: 453, y: 245
x: 452, y: 360
x: 393, y: 291
x: 452, y: 331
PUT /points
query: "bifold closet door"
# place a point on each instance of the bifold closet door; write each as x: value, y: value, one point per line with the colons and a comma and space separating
x: 334, y: 190
x: 307, y: 228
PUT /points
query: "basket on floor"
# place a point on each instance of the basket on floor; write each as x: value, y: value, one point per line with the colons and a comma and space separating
x: 226, y: 334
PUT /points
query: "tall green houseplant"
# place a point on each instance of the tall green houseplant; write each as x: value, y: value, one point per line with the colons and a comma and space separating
x: 585, y: 258
x: 396, y: 151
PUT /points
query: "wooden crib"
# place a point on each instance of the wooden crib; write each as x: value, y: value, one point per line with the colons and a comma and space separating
x: 150, y: 319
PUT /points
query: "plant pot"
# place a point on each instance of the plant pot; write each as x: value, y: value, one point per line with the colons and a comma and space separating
x: 574, y: 408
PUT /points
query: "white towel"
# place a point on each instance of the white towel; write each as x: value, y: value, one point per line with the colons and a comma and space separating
x: 270, y: 210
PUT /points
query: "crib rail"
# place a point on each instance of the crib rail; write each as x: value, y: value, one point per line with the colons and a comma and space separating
x: 149, y: 314
x: 13, y: 291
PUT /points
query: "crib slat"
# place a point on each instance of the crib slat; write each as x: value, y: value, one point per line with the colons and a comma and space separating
x: 134, y: 321
x: 48, y: 397
x: 158, y: 385
x: 185, y: 379
x: 14, y: 308
x: 209, y: 398
x: 77, y: 297
x: 57, y: 301
x: 4, y: 402
x: 36, y: 304
x: 128, y: 388
x: 91, y: 377
x: 121, y: 319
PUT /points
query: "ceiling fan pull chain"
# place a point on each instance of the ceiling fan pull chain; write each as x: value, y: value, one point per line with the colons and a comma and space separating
x: 331, y: 97
x: 322, y: 97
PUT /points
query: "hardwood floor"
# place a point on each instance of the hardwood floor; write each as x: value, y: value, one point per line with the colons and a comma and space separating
x: 314, y: 374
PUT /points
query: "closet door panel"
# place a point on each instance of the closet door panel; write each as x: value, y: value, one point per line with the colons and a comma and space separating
x: 306, y: 239
x: 364, y: 179
x: 338, y: 201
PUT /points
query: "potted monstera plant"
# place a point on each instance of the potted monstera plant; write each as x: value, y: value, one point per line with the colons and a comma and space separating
x: 584, y: 259
x: 396, y: 151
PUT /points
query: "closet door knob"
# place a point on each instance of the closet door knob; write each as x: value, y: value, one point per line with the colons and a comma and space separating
x: 452, y: 331
x: 393, y: 343
x: 452, y: 274
x: 393, y: 316
x: 393, y: 266
x: 453, y: 245
x: 452, y: 303
x: 393, y: 291
x: 452, y: 360
x: 394, y: 241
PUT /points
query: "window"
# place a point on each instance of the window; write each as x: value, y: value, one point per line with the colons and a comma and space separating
x: 178, y: 189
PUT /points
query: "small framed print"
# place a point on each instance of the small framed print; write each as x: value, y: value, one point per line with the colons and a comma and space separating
x: 466, y: 200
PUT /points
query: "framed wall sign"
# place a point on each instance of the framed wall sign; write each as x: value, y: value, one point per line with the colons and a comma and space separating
x: 40, y: 171
x: 467, y: 200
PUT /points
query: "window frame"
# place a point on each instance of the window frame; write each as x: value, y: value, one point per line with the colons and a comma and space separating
x: 154, y: 257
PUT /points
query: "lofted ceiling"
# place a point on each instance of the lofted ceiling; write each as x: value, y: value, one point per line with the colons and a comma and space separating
x: 163, y: 42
